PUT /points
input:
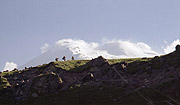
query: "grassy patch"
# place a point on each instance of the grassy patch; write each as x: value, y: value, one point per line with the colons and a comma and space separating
x: 71, y: 64
x: 6, y: 96
x: 127, y: 60
x: 8, y: 73
x: 4, y: 83
x: 79, y: 65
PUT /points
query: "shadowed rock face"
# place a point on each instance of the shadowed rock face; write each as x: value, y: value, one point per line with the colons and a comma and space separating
x: 47, y: 83
x: 178, y: 48
x: 88, y: 77
x: 97, y: 61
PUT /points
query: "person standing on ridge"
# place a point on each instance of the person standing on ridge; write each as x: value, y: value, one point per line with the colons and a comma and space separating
x: 56, y: 59
x: 64, y: 58
x: 72, y: 58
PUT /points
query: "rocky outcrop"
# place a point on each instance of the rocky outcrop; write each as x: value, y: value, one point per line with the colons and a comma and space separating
x: 178, y: 48
x: 88, y: 77
x: 46, y: 83
x: 101, y: 69
x: 97, y: 61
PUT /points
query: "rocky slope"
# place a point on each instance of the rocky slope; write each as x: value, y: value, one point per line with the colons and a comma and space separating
x: 154, y: 80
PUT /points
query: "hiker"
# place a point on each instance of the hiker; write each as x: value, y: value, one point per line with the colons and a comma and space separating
x: 64, y: 58
x: 72, y: 58
x: 56, y: 59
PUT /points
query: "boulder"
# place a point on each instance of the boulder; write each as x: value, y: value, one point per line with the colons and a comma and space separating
x: 97, y: 61
x: 155, y: 57
x: 88, y: 77
x: 121, y: 65
x: 178, y: 48
x: 46, y: 83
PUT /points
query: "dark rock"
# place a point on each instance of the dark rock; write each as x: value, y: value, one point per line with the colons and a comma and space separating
x: 34, y: 95
x: 155, y: 57
x: 124, y: 64
x: 97, y: 61
x: 99, y: 67
x: 47, y: 83
x: 144, y: 58
x: 121, y: 65
x: 88, y: 77
x: 178, y: 48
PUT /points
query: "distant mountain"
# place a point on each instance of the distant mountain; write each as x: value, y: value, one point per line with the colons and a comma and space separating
x: 50, y: 55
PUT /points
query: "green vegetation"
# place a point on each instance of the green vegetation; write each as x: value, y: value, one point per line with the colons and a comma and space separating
x: 4, y: 83
x: 79, y: 65
x: 6, y: 97
x: 8, y: 73
x: 127, y: 60
x: 71, y: 64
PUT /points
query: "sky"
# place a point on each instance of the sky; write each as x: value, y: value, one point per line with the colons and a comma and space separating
x: 26, y: 26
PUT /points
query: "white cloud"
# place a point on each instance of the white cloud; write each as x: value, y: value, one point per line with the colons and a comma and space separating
x: 109, y: 49
x: 82, y: 49
x: 10, y: 66
x: 171, y: 47
x: 45, y: 48
x: 128, y: 49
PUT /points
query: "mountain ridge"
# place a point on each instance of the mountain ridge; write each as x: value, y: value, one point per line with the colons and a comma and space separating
x: 154, y: 80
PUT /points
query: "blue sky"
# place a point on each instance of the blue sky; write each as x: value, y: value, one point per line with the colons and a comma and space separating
x: 25, y: 25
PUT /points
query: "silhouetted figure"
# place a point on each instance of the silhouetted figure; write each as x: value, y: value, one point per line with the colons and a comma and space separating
x: 56, y: 59
x: 64, y: 58
x: 72, y: 58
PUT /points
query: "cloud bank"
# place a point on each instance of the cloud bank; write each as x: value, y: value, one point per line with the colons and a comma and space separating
x: 10, y: 66
x: 109, y: 49
x: 126, y: 49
